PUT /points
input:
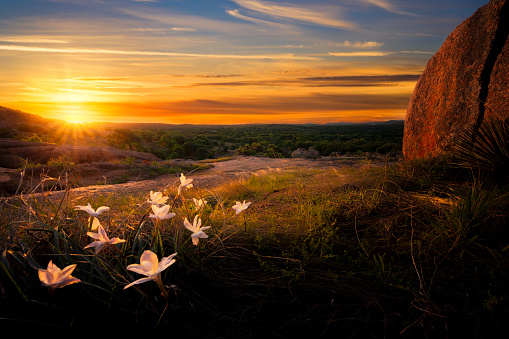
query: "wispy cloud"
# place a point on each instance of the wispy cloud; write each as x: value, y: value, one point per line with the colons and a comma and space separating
x: 360, y: 54
x: 333, y: 81
x: 363, y: 44
x: 189, y: 22
x: 152, y: 53
x: 294, y: 13
x: 388, y: 6
x: 33, y: 40
x: 100, y: 79
x: 235, y: 13
x: 185, y: 29
x: 147, y: 29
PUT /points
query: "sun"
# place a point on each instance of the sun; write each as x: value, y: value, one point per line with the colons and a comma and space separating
x: 72, y: 105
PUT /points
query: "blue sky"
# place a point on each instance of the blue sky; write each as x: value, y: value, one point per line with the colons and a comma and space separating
x: 240, y: 61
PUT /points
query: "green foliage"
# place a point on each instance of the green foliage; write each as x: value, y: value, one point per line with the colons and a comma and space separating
x: 33, y: 138
x: 64, y: 162
x: 469, y: 212
x: 202, y: 141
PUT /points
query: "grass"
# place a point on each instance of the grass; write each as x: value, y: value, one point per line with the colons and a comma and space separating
x: 413, y: 250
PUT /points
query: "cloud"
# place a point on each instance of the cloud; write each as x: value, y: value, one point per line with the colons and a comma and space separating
x: 102, y: 79
x: 235, y: 13
x: 172, y: 19
x: 294, y: 13
x: 33, y: 40
x: 185, y: 29
x: 152, y: 53
x: 388, y: 6
x: 334, y: 81
x: 360, y: 54
x: 218, y: 109
x: 209, y: 76
x: 147, y: 29
x: 365, y: 44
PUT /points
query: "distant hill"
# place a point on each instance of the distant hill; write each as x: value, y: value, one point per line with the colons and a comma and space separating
x: 11, y: 117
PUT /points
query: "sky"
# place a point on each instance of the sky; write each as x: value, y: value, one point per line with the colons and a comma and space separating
x: 220, y: 61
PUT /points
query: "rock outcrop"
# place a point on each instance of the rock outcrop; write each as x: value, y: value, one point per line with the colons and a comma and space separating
x: 303, y: 153
x: 14, y: 152
x: 464, y: 83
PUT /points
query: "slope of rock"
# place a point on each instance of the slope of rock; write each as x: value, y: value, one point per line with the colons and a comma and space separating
x: 464, y: 83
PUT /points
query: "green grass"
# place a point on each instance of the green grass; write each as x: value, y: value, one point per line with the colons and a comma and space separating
x: 412, y: 250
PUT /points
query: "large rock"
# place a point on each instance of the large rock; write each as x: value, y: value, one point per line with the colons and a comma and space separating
x: 464, y: 83
x: 14, y: 152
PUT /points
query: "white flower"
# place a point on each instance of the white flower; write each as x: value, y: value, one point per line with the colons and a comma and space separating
x: 196, y: 229
x: 91, y: 211
x: 239, y: 207
x: 53, y: 277
x: 151, y: 267
x: 199, y: 203
x: 102, y: 239
x: 161, y: 212
x: 157, y: 198
x: 184, y: 183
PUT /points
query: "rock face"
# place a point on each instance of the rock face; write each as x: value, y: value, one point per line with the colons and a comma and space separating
x: 14, y: 152
x: 303, y: 153
x: 464, y: 83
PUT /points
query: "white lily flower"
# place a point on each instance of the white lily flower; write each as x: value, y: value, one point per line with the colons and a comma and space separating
x: 151, y: 267
x: 199, y: 203
x: 102, y: 239
x: 53, y: 277
x: 196, y: 229
x: 161, y: 212
x: 91, y: 211
x: 239, y: 207
x: 184, y: 183
x: 157, y: 198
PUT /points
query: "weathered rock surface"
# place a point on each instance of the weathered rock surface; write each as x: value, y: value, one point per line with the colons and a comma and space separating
x: 303, y: 153
x: 464, y: 83
x: 14, y: 152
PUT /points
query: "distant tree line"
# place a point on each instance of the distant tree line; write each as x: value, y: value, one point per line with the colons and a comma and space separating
x: 275, y: 140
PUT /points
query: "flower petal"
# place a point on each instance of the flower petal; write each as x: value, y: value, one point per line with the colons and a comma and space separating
x: 95, y: 224
x: 116, y: 241
x: 102, y: 209
x: 195, y: 239
x: 46, y: 277
x: 139, y: 281
x: 200, y: 234
x: 94, y: 235
x: 68, y: 281
x: 97, y: 244
x: 66, y: 272
x: 149, y: 256
x: 166, y: 262
x: 102, y: 233
x: 188, y: 225
x: 137, y: 268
